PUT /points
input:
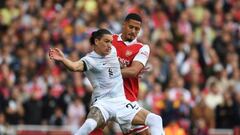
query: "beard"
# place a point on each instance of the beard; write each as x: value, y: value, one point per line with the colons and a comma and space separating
x: 129, y: 40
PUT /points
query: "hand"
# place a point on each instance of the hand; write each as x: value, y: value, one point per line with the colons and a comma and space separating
x: 56, y: 54
x: 143, y: 71
x: 122, y: 64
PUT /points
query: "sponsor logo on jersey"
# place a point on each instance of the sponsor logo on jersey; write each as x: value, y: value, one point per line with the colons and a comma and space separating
x: 145, y: 53
x: 124, y: 62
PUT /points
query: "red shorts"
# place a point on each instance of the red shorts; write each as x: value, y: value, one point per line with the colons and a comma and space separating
x: 98, y: 131
x: 138, y: 129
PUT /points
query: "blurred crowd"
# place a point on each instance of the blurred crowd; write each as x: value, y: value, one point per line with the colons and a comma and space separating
x: 194, y: 77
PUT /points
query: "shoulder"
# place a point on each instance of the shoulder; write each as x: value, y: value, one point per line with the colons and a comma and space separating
x: 115, y: 36
x: 142, y: 44
x: 115, y: 39
x: 88, y: 55
x: 145, y: 47
x: 89, y: 58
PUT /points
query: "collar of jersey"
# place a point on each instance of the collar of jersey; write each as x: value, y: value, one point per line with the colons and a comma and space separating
x: 96, y: 54
x: 126, y: 42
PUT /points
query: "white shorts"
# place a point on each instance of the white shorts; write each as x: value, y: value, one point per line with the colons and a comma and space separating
x: 137, y: 128
x: 120, y: 110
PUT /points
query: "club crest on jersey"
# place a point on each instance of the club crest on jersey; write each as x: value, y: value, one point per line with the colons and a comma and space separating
x: 128, y: 53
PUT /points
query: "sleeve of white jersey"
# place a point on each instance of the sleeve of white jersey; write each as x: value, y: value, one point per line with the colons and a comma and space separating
x: 90, y: 63
x: 143, y: 55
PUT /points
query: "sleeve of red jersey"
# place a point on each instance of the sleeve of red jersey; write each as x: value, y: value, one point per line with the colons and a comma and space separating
x: 143, y: 55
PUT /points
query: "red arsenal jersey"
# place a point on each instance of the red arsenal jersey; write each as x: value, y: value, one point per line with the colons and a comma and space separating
x: 127, y: 53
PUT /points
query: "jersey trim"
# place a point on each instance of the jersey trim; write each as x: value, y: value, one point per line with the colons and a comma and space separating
x: 84, y: 65
x: 126, y: 42
x: 143, y: 55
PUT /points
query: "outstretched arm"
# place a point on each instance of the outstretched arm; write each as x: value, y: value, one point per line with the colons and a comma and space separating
x: 57, y: 55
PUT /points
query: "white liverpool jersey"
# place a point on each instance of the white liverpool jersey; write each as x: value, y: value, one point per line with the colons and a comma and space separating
x: 104, y: 73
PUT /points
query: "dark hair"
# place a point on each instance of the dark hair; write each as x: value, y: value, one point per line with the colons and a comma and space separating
x: 133, y: 16
x: 98, y: 34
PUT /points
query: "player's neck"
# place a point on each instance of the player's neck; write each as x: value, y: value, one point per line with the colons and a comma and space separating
x: 98, y: 52
x: 123, y: 37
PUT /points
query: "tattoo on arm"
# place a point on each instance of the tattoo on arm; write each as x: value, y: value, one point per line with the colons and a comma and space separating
x: 96, y: 114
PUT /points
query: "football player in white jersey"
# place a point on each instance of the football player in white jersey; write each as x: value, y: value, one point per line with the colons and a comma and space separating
x: 102, y: 68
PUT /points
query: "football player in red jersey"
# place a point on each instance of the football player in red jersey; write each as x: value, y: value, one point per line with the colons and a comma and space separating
x: 133, y: 56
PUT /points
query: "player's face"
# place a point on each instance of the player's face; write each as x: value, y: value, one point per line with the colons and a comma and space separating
x: 131, y: 29
x: 103, y: 45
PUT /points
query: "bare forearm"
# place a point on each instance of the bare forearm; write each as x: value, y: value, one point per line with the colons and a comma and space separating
x: 129, y: 72
x: 73, y: 66
x: 133, y: 70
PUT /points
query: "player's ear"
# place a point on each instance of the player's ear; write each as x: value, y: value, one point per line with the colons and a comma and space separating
x: 96, y: 41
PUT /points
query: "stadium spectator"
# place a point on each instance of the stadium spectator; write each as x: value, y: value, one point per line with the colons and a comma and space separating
x: 33, y: 107
x: 76, y: 113
x: 14, y: 109
x: 58, y: 118
x: 203, y: 114
x: 224, y: 113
